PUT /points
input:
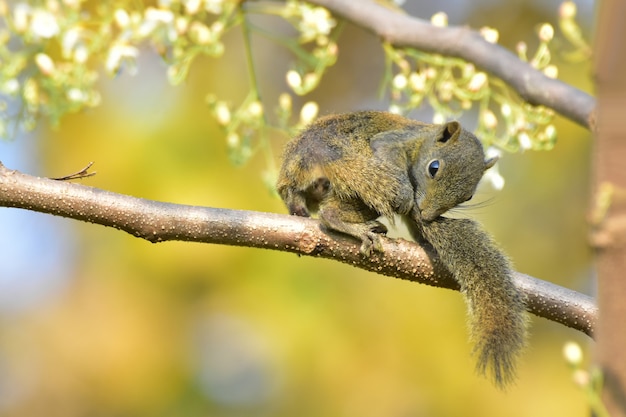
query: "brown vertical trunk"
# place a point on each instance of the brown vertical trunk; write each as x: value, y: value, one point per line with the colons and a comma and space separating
x: 610, y: 185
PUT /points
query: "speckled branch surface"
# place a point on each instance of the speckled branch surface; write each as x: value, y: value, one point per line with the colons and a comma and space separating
x: 158, y: 222
x: 461, y: 42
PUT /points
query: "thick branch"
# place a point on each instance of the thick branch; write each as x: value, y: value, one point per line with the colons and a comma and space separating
x: 157, y: 222
x: 403, y: 30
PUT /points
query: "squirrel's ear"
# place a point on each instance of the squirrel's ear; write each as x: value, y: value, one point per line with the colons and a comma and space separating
x: 490, y: 162
x: 450, y: 130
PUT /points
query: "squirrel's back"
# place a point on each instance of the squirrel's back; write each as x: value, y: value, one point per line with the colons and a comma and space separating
x: 338, y: 136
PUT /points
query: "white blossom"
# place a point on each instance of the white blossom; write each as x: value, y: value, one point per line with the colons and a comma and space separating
x: 21, y: 14
x: 201, y: 33
x: 567, y: 10
x: 294, y: 80
x: 45, y: 63
x: 222, y: 113
x: 477, y: 82
x: 70, y: 40
x: 316, y: 23
x: 492, y: 175
x: 489, y: 119
x: 233, y: 140
x: 121, y: 18
x: 505, y: 109
x: 400, y: 82
x: 159, y: 15
x: 44, y: 24
x: 573, y: 353
x: 117, y: 54
x: 395, y: 109
x: 546, y: 32
x: 192, y: 6
x: 439, y: 19
x: 491, y: 35
x: 285, y: 102
x: 550, y: 132
x: 11, y: 86
x: 255, y: 109
x: 551, y: 71
x: 417, y: 82
x: 524, y: 141
x: 439, y: 118
x: 76, y: 95
x: 81, y: 54
x: 309, y: 112
x: 214, y: 6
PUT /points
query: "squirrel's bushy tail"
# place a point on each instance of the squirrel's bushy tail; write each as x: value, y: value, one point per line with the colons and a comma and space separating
x: 497, y: 311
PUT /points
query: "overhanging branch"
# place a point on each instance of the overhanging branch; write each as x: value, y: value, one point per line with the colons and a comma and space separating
x: 461, y: 42
x: 157, y: 222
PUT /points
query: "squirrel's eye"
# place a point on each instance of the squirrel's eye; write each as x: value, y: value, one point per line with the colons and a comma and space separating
x: 433, y: 167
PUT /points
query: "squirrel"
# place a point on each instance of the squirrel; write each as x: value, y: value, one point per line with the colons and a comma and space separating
x: 353, y: 168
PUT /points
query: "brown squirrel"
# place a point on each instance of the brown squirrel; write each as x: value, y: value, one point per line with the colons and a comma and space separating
x: 353, y: 168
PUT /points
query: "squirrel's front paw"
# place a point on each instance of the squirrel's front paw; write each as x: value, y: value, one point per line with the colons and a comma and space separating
x: 371, y: 239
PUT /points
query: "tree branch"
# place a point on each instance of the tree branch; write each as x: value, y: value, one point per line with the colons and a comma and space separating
x: 461, y: 42
x: 158, y: 222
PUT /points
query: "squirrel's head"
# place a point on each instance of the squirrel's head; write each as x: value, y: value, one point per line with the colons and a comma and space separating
x: 450, y: 165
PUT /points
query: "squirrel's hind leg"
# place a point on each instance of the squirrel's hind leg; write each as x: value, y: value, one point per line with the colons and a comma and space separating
x: 301, y: 202
x: 355, y: 219
x: 295, y: 202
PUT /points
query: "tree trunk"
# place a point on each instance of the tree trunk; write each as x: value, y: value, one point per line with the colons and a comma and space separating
x: 609, y: 203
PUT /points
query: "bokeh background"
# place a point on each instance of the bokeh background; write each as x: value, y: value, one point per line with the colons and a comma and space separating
x: 94, y: 322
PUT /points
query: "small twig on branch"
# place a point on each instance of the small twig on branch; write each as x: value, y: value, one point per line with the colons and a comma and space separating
x: 83, y: 173
x: 461, y: 42
x: 157, y: 222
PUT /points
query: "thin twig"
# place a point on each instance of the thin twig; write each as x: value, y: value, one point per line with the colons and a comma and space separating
x: 77, y: 175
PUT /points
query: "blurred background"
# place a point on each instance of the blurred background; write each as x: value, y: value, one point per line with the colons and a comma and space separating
x: 94, y: 322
